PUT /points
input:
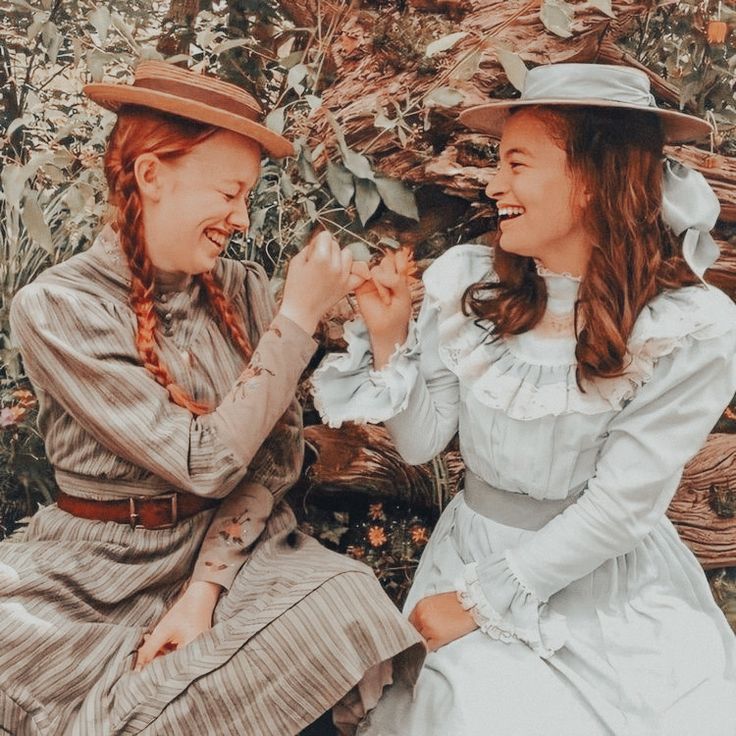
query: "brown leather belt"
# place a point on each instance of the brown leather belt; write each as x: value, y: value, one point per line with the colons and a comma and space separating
x: 141, y: 512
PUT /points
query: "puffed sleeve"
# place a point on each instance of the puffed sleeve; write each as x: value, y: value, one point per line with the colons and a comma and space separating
x: 78, y: 351
x: 640, y: 464
x: 416, y: 388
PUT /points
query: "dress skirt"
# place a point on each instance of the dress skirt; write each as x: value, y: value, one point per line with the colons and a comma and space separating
x: 295, y: 633
x: 648, y: 651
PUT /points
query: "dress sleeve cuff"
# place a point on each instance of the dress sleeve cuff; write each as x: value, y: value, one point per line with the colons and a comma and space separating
x: 347, y: 388
x: 504, y: 609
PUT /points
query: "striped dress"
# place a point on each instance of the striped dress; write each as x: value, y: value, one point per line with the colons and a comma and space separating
x: 297, y: 629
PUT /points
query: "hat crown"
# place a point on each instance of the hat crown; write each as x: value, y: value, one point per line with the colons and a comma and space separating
x: 588, y: 82
x: 163, y: 77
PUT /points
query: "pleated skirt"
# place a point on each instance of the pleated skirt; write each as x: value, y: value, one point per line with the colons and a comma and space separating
x: 295, y: 634
x: 649, y: 652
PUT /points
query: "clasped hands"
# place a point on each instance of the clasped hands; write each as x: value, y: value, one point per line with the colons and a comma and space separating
x: 321, y: 274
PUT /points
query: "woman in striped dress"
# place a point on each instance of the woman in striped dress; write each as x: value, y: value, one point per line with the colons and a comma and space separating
x: 166, y: 380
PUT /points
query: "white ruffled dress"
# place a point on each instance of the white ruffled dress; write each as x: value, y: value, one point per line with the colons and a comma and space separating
x: 598, y: 620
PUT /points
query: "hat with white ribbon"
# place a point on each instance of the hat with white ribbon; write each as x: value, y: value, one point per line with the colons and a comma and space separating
x: 689, y: 205
x: 586, y: 85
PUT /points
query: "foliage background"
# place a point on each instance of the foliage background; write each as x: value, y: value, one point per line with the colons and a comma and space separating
x: 52, y: 194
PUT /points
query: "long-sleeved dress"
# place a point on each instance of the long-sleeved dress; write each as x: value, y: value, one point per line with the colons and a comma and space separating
x: 298, y: 627
x: 594, y: 617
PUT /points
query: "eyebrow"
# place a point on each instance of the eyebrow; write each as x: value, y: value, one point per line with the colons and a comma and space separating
x: 512, y: 151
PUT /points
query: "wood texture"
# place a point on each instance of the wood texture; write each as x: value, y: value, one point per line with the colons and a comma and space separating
x: 711, y: 537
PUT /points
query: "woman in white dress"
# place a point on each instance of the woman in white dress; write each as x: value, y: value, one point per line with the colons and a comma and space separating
x: 583, y: 363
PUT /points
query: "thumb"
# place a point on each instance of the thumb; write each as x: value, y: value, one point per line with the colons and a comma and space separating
x: 152, y: 644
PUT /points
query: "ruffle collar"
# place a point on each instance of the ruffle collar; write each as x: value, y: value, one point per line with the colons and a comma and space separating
x: 507, y: 379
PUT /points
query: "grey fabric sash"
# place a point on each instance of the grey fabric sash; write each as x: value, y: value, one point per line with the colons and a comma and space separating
x: 512, y: 509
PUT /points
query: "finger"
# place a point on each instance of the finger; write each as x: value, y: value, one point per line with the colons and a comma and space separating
x: 151, y: 645
x: 383, y: 292
x: 346, y: 262
x: 361, y: 268
x: 367, y: 287
x: 402, y: 260
x: 355, y: 282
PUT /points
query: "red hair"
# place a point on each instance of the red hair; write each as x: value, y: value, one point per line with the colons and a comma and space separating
x: 138, y: 131
x: 617, y: 155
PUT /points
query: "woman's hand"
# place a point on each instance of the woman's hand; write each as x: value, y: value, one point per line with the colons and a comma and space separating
x: 441, y: 619
x: 318, y: 277
x: 385, y: 303
x: 190, y: 616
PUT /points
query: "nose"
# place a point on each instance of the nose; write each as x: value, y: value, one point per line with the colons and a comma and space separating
x: 496, y: 185
x: 238, y: 217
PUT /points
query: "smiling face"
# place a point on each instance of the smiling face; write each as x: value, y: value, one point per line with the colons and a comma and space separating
x: 192, y: 204
x: 539, y: 203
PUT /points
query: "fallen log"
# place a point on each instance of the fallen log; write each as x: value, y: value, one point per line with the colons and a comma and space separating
x: 703, y: 509
x: 359, y: 461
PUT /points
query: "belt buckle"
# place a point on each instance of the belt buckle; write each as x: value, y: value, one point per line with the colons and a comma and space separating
x: 135, y: 516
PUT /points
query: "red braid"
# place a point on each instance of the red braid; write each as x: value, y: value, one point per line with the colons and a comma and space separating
x: 226, y: 313
x: 138, y: 131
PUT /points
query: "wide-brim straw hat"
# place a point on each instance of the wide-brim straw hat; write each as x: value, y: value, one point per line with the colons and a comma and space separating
x: 587, y: 85
x: 199, y: 97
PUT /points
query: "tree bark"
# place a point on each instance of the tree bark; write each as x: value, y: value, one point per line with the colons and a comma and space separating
x: 704, y: 505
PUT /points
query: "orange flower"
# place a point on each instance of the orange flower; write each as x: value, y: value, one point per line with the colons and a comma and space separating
x: 377, y: 536
x: 420, y: 535
x: 24, y: 398
x: 375, y: 511
x: 356, y: 552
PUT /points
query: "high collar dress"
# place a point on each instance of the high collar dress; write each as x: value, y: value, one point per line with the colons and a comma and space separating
x: 298, y: 628
x: 594, y: 618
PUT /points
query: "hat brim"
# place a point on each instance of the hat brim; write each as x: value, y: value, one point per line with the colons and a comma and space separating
x: 678, y: 127
x: 114, y: 96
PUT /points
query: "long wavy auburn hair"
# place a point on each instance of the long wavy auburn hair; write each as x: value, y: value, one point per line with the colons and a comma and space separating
x: 617, y: 155
x: 138, y: 131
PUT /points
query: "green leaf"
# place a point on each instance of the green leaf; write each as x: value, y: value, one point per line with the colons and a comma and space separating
x: 397, y: 197
x: 444, y: 97
x: 96, y: 61
x: 124, y: 30
x: 100, y: 18
x: 468, y: 67
x: 275, y: 120
x: 52, y: 40
x: 514, y: 67
x: 340, y: 182
x: 367, y: 199
x: 296, y: 76
x: 556, y: 16
x: 13, y: 179
x: 23, y: 5
x: 287, y: 186
x: 313, y: 101
x: 357, y: 163
x: 604, y: 6
x: 33, y: 219
x: 231, y: 44
x: 443, y: 44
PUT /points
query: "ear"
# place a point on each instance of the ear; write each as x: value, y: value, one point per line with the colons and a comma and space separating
x: 148, y: 170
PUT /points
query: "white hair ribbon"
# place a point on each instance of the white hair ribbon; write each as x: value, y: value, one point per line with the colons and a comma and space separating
x: 690, y: 206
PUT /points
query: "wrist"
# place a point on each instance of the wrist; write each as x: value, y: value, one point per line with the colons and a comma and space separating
x: 203, y: 592
x: 299, y: 316
x: 384, y: 346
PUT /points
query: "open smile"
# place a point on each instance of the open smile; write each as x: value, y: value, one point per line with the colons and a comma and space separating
x: 217, y: 237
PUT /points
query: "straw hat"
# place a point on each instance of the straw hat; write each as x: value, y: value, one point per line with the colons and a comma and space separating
x: 178, y: 91
x: 589, y: 85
